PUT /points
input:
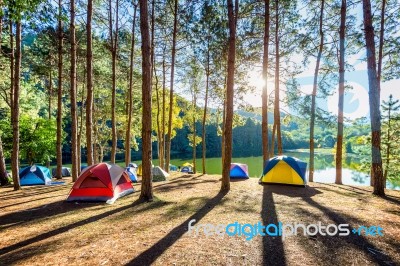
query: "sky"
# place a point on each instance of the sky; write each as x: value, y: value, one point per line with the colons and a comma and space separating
x: 356, y: 100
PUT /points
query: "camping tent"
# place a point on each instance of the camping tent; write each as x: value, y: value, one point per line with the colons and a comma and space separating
x: 101, y: 182
x: 34, y: 175
x: 187, y: 168
x: 239, y: 171
x: 285, y: 170
x: 64, y: 170
x: 83, y: 167
x: 131, y: 171
x: 159, y: 174
x: 132, y: 165
x: 173, y: 167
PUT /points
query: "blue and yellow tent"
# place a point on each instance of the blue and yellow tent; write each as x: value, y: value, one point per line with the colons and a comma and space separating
x: 285, y: 170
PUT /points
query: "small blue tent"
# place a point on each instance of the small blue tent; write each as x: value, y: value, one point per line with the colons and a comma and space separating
x: 132, y: 173
x: 239, y: 171
x: 34, y: 175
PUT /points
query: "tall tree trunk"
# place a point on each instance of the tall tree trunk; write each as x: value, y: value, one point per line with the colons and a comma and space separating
x: 1, y: 30
x: 73, y: 81
x: 154, y: 73
x: 232, y: 17
x: 114, y: 50
x: 381, y: 41
x: 203, y: 136
x: 194, y: 133
x: 89, y: 84
x: 130, y: 94
x: 389, y: 129
x: 223, y: 126
x: 159, y: 152
x: 50, y: 91
x: 59, y: 93
x: 163, y: 166
x: 12, y: 64
x: 81, y: 126
x: 171, y: 89
x: 264, y: 123
x: 277, y: 114
x: 3, y: 172
x: 314, y: 93
x: 374, y: 101
x: 146, y: 192
x: 95, y: 141
x: 339, y: 142
x: 380, y: 57
x: 15, y: 114
x: 272, y: 147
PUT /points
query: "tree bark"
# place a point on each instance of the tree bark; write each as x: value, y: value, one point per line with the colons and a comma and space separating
x: 380, y: 57
x: 194, y: 133
x: 73, y: 81
x: 381, y: 41
x: 314, y: 93
x: 171, y: 90
x: 163, y: 166
x: 59, y: 94
x: 232, y: 17
x: 12, y: 64
x: 339, y: 142
x: 1, y: 30
x: 374, y: 101
x: 277, y: 114
x: 203, y: 136
x: 50, y: 91
x: 146, y: 192
x: 89, y: 84
x: 130, y: 94
x: 389, y: 129
x: 15, y: 114
x: 3, y: 172
x: 264, y: 122
x: 114, y: 50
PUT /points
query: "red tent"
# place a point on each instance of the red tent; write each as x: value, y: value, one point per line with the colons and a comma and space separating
x: 101, y: 182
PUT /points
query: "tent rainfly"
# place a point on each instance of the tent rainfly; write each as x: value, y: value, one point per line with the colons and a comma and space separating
x: 101, y: 182
x: 285, y: 170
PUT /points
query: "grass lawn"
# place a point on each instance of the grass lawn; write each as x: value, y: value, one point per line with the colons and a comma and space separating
x: 38, y: 227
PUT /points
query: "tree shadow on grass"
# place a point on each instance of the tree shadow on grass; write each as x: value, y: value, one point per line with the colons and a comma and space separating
x: 37, y: 213
x: 31, y: 200
x: 359, y: 242
x: 273, y: 248
x: 33, y: 191
x: 332, y: 244
x: 9, y: 250
x: 150, y: 255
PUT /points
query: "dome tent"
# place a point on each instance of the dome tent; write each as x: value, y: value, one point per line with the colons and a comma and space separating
x: 131, y: 171
x: 239, y: 171
x: 159, y: 174
x: 65, y: 171
x: 34, y: 175
x: 101, y: 182
x: 285, y: 170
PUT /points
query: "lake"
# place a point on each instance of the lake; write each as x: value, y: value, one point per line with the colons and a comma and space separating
x: 324, y: 168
